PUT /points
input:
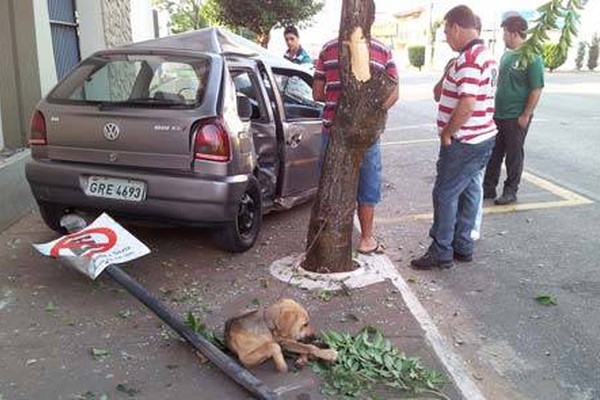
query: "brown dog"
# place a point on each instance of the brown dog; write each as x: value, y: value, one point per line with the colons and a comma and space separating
x: 255, y: 337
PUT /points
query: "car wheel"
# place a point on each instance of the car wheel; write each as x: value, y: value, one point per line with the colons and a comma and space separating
x: 240, y: 234
x: 51, y: 214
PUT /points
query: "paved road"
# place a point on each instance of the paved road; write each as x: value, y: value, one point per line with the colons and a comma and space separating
x: 515, y: 347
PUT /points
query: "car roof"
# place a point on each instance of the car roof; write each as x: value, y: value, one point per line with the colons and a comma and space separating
x: 218, y: 41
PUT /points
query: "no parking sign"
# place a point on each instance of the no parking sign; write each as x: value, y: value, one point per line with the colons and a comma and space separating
x: 95, y: 247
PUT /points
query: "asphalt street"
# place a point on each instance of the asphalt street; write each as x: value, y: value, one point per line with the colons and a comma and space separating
x: 486, y: 311
x: 515, y: 347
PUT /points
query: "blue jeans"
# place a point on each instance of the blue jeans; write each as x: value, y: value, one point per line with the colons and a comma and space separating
x: 476, y: 232
x: 456, y: 197
x: 369, y: 179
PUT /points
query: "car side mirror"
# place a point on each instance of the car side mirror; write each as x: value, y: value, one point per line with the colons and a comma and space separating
x: 244, y: 107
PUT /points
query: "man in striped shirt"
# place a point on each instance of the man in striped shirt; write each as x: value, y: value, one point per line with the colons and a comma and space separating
x: 467, y: 134
x: 327, y: 87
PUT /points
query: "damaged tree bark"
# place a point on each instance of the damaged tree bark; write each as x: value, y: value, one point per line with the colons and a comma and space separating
x: 359, y: 121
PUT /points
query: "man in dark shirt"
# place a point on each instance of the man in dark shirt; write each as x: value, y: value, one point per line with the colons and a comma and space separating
x: 295, y: 53
x: 519, y: 90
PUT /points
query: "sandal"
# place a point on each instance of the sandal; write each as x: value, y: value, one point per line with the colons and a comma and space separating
x: 378, y: 249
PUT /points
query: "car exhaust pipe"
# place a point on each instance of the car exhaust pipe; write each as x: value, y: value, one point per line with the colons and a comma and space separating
x: 73, y: 222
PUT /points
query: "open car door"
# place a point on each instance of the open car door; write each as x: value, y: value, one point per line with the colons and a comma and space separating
x: 301, y: 122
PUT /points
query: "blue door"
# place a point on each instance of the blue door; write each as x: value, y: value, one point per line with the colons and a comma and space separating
x: 65, y: 40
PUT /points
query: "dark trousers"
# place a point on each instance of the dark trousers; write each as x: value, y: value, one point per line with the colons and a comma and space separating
x: 509, y: 142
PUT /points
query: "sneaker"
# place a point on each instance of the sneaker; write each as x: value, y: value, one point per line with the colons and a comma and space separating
x: 505, y: 199
x: 428, y: 261
x: 463, y: 257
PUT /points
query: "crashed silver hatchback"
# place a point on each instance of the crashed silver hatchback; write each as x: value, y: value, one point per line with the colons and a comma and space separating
x: 201, y: 129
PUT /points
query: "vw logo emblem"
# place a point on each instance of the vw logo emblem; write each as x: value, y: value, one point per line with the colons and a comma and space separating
x: 111, y: 131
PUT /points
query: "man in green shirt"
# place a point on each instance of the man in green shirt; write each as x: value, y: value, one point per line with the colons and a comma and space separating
x: 518, y: 92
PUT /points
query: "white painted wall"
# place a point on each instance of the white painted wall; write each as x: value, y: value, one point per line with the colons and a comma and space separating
x: 91, y: 28
x: 43, y: 41
x: 142, y: 20
x: 1, y: 133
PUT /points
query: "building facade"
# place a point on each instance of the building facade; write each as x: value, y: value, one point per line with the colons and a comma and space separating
x: 42, y: 40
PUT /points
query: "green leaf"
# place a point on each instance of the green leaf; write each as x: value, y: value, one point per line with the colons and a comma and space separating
x: 50, y: 307
x: 89, y: 395
x: 367, y: 361
x: 546, y: 300
x: 122, y: 387
x: 99, y: 353
x: 191, y: 321
x: 349, y: 317
x: 124, y: 313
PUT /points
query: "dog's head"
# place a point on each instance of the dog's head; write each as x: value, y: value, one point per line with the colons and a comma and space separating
x: 289, y: 320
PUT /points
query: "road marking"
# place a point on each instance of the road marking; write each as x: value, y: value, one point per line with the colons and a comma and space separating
x: 407, y: 142
x: 410, y: 127
x: 567, y: 197
x: 451, y: 361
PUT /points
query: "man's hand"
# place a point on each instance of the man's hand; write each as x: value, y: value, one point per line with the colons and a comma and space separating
x: 392, y: 99
x: 319, y: 90
x: 445, y: 138
x: 524, y: 120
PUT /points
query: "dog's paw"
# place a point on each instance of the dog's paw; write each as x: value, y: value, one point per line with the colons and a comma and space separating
x: 301, y: 361
x: 282, y: 368
x: 327, y: 354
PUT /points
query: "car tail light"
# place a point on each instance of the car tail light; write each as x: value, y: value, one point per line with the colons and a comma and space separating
x: 38, y: 129
x: 211, y: 141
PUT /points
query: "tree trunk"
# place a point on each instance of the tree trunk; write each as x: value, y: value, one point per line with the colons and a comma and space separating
x: 358, y: 122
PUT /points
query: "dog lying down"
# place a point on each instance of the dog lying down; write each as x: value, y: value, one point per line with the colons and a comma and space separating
x: 257, y: 336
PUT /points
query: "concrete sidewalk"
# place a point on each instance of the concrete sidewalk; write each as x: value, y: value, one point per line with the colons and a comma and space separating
x: 52, y: 317
x: 15, y: 196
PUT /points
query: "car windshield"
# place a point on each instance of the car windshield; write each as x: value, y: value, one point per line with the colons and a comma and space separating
x: 145, y: 81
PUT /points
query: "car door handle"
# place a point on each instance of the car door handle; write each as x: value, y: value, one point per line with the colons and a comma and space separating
x: 294, y: 140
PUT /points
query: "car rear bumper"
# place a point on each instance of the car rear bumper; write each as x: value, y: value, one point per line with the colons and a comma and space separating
x: 183, y: 198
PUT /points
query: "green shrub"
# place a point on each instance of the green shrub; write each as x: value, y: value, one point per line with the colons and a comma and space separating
x: 416, y: 56
x: 552, y: 56
x: 580, y: 56
x: 593, y: 53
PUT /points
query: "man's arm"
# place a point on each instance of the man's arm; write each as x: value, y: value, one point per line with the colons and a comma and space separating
x: 392, y: 99
x: 461, y: 114
x: 318, y: 90
x: 532, y: 101
x: 437, y: 90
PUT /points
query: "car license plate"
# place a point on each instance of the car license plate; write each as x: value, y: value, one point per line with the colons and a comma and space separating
x: 116, y: 188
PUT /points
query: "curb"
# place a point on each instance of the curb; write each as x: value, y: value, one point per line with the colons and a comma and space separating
x: 16, y: 198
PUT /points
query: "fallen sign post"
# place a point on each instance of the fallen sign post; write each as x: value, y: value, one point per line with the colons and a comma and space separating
x: 97, y: 248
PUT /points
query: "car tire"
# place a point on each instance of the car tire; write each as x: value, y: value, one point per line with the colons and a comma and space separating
x: 51, y: 214
x: 239, y: 235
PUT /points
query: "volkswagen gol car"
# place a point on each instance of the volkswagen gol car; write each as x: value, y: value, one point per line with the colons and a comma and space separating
x: 201, y: 129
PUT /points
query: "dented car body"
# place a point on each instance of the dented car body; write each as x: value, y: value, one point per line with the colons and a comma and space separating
x: 201, y: 129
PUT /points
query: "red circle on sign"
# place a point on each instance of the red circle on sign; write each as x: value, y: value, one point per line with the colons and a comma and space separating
x: 78, y: 241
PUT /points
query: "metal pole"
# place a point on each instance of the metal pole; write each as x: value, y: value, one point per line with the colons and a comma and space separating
x: 230, y: 367
x: 236, y: 372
